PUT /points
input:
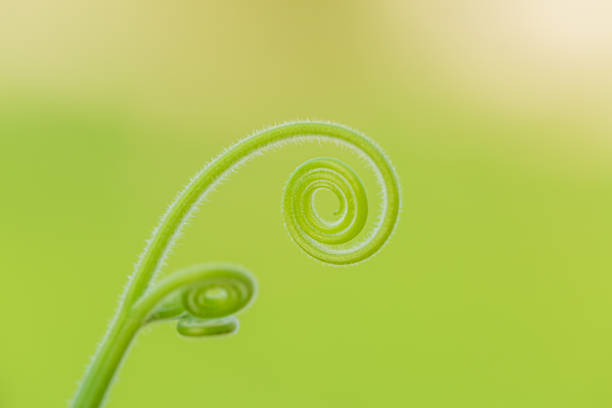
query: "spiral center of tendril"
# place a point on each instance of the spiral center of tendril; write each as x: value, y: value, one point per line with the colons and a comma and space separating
x: 216, y: 293
x: 216, y: 298
x: 327, y: 205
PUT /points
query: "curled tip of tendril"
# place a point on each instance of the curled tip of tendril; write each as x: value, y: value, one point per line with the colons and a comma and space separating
x: 191, y: 326
x: 318, y: 237
x: 204, y: 299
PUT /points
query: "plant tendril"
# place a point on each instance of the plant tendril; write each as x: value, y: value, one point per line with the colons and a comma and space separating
x: 205, y: 299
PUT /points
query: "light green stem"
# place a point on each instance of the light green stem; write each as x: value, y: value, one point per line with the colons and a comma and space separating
x: 107, y: 360
x: 323, y: 240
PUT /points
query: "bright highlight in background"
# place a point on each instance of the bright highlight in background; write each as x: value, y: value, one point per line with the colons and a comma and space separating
x: 579, y: 31
x: 525, y: 55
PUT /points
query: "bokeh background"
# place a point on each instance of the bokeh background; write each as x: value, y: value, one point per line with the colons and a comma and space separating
x: 495, y: 289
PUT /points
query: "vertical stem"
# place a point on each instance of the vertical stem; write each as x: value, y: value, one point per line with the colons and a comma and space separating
x: 105, y: 363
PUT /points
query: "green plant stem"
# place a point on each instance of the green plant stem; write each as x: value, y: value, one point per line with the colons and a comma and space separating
x: 108, y: 359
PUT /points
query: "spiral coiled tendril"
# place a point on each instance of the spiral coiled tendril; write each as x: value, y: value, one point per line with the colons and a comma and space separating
x: 313, y: 234
x: 204, y: 299
x: 212, y: 303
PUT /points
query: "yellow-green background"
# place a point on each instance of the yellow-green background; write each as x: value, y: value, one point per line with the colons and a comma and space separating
x: 495, y: 290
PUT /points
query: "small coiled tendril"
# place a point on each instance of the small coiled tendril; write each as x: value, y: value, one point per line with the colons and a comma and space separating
x: 205, y: 299
x: 211, y: 304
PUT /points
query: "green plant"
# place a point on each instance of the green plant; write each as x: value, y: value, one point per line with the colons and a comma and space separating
x: 204, y: 299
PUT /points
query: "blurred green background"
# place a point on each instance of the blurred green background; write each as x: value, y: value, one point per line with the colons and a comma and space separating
x: 495, y: 289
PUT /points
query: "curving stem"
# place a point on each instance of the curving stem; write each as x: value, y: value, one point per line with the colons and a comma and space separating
x: 106, y: 362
